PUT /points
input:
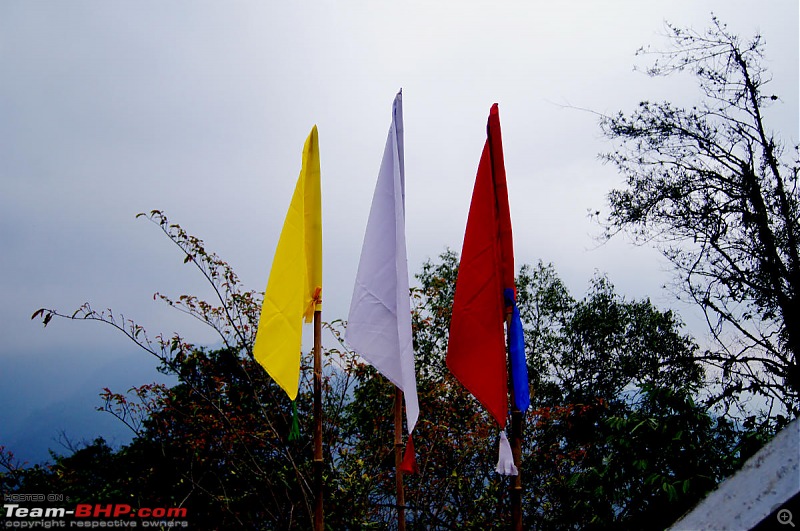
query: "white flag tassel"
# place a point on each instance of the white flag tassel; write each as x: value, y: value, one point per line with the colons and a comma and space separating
x: 379, y: 322
x: 505, y: 462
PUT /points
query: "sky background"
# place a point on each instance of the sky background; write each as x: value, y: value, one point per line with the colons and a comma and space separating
x: 200, y: 109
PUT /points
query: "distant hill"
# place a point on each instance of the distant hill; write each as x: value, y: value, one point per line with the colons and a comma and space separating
x: 48, y: 402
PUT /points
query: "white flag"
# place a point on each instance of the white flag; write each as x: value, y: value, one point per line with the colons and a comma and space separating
x: 379, y: 324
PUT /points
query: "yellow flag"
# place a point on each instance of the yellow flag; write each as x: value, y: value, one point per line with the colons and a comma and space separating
x: 294, y: 289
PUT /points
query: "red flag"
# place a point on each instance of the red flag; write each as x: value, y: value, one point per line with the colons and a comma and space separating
x: 476, y: 352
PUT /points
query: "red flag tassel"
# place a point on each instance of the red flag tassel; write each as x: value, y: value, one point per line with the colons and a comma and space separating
x: 409, y: 464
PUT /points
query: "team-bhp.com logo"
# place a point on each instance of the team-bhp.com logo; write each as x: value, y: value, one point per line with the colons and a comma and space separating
x: 92, y: 515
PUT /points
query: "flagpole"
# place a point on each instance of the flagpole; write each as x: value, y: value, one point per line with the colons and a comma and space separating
x: 398, y: 458
x: 318, y: 463
x: 516, y: 483
x: 516, y: 451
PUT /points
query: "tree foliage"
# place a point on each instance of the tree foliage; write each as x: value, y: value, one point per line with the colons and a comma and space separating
x: 216, y: 442
x: 614, y: 438
x: 715, y: 189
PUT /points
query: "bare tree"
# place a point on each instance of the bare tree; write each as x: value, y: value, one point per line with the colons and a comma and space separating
x: 713, y: 188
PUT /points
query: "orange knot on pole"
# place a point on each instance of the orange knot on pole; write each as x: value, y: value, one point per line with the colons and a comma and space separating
x: 314, y: 304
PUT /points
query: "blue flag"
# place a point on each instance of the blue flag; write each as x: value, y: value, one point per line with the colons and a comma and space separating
x: 516, y: 354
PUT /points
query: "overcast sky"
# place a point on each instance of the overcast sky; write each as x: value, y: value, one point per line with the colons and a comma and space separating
x: 201, y: 109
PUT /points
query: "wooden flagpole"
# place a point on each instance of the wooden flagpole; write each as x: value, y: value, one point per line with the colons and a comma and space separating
x: 398, y: 458
x: 319, y: 523
x: 516, y: 448
x: 516, y: 483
